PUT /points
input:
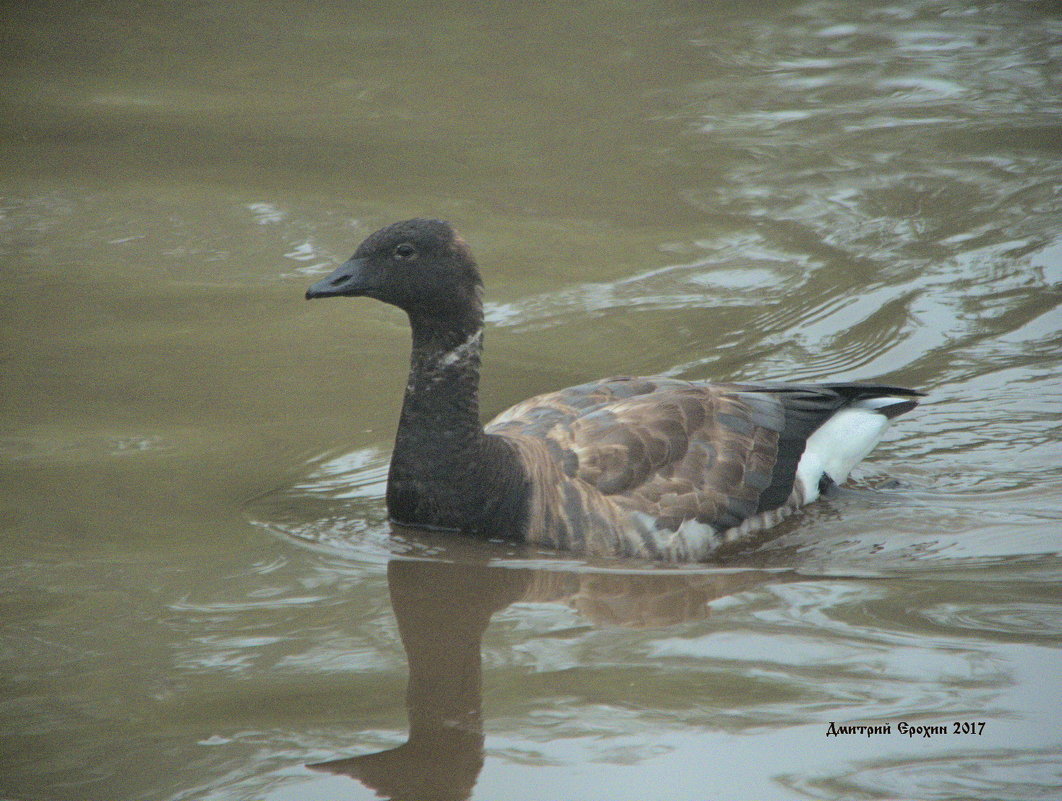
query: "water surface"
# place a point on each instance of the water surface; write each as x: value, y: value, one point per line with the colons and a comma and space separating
x: 202, y: 598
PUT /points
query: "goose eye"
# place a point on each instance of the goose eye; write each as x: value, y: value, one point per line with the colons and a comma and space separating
x: 405, y: 252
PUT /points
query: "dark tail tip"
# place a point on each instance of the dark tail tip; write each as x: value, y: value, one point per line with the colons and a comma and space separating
x: 898, y: 408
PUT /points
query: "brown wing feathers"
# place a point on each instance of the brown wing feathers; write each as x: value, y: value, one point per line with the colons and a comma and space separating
x: 676, y: 451
x: 672, y: 449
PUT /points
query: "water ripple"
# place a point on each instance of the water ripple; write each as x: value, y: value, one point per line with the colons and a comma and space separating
x: 1017, y: 774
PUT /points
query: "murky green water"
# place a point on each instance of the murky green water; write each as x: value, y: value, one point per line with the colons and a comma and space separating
x: 201, y: 596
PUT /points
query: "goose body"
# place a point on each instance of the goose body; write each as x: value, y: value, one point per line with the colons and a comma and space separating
x: 650, y: 467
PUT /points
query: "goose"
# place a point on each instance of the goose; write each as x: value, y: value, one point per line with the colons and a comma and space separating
x: 655, y: 468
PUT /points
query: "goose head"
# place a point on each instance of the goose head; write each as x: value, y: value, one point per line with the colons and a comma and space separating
x: 421, y: 266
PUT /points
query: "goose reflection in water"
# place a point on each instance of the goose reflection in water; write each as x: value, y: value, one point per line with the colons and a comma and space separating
x: 443, y: 610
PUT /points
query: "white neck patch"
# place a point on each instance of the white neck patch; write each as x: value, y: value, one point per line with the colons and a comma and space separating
x: 462, y: 352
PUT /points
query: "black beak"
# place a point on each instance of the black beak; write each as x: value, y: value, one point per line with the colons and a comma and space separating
x: 349, y: 279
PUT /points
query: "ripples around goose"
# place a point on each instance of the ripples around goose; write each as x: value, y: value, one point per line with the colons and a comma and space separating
x: 912, y: 248
x: 770, y: 644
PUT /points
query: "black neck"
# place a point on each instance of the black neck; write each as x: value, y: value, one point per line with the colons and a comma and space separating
x: 441, y: 403
x: 445, y: 471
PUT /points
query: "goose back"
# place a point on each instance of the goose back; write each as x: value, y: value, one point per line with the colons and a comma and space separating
x: 663, y: 468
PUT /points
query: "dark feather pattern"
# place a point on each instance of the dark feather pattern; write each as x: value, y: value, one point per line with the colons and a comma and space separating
x: 664, y: 452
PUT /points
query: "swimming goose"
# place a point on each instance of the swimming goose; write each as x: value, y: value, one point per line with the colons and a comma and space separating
x: 646, y: 467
